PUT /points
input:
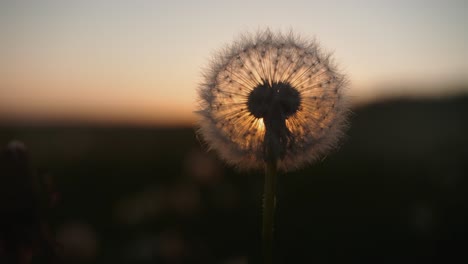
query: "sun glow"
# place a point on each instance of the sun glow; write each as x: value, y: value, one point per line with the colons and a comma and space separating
x: 261, y: 125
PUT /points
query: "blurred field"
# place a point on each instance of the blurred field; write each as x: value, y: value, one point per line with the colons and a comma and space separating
x: 395, y: 192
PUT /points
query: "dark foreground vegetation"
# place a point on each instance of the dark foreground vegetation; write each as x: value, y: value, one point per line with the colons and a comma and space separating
x: 395, y: 192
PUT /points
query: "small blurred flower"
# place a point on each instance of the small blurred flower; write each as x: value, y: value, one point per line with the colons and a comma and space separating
x: 172, y: 247
x: 78, y: 241
x: 202, y: 167
x: 272, y: 96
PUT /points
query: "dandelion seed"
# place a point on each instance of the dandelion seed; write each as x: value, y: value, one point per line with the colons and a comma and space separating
x: 277, y: 97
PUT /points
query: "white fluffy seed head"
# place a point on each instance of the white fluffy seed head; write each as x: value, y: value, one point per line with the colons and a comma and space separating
x: 272, y: 89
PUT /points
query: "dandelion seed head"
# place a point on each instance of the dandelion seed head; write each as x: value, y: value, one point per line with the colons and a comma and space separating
x: 276, y: 90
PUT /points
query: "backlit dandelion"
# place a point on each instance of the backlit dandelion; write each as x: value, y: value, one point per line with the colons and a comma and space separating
x: 273, y: 101
x: 272, y: 96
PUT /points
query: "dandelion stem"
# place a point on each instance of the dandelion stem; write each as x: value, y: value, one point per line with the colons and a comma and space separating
x: 269, y: 204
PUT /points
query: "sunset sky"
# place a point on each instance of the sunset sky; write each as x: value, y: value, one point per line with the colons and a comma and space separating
x: 140, y: 61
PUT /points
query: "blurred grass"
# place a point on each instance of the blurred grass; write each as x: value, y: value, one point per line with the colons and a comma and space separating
x: 396, y: 191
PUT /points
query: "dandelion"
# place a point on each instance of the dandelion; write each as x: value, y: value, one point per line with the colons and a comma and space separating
x: 272, y: 101
x: 272, y: 97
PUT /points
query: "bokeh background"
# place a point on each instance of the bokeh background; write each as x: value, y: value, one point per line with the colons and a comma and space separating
x: 103, y: 92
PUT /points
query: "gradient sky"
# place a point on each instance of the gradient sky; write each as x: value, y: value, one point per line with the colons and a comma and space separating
x: 141, y: 61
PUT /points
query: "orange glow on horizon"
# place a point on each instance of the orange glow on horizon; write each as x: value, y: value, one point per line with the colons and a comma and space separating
x: 108, y: 97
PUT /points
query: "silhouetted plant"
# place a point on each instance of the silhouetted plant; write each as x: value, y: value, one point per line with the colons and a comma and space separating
x: 275, y: 101
x: 24, y: 234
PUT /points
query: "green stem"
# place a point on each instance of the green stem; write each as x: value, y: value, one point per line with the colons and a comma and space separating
x: 269, y: 204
